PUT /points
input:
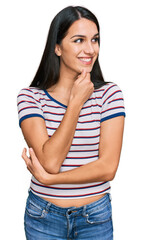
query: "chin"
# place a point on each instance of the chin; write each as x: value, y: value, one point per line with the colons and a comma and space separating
x: 87, y: 69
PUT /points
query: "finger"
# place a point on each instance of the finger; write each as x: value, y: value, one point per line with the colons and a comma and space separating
x: 29, y: 167
x: 32, y: 155
x: 35, y: 161
x: 27, y: 161
x: 82, y: 75
x: 25, y: 157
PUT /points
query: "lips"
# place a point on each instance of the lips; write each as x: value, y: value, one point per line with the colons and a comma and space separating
x: 86, y: 60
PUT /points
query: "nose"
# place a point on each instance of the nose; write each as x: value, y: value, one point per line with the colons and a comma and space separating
x: 89, y: 48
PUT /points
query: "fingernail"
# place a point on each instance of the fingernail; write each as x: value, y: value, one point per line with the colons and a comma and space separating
x: 31, y: 149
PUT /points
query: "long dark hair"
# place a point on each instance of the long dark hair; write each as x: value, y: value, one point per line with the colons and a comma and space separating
x: 48, y: 71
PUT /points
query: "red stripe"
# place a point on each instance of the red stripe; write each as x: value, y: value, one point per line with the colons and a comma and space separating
x: 112, y: 108
x: 81, y: 157
x: 50, y: 105
x: 52, y: 120
x: 77, y: 129
x: 91, y: 150
x: 89, y: 144
x: 51, y: 195
x: 108, y: 89
x: 26, y: 102
x: 69, y: 165
x: 111, y: 95
x: 27, y: 108
x: 77, y: 188
x: 33, y: 88
x: 93, y: 105
x: 58, y: 121
x: 81, y: 136
x: 87, y: 136
x: 27, y: 89
x: 23, y: 94
x: 54, y: 113
x: 95, y: 98
x: 115, y: 100
x: 82, y: 115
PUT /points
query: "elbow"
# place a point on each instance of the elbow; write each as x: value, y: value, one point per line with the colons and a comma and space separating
x: 51, y: 167
x: 111, y: 175
x: 50, y: 163
x: 109, y: 169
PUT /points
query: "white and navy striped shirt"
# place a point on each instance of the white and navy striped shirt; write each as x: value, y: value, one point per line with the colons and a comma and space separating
x: 104, y: 103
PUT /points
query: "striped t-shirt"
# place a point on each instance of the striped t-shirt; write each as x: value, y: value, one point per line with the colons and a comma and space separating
x: 104, y: 103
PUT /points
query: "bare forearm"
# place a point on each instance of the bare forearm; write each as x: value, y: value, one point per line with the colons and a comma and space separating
x: 103, y: 169
x: 57, y: 147
x: 92, y: 172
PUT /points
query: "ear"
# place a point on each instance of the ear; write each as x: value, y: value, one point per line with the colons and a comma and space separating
x: 58, y: 50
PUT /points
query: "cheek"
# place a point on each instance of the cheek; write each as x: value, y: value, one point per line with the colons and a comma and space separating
x: 68, y: 54
x: 97, y: 49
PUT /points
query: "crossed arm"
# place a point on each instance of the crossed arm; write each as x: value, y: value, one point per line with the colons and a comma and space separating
x: 47, y: 155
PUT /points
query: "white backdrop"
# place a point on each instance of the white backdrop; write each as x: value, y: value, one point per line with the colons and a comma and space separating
x: 24, y: 27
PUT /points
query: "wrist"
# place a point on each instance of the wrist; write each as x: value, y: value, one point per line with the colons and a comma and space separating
x: 49, y: 179
x: 75, y: 105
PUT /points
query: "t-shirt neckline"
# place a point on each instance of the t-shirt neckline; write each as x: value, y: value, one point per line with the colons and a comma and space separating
x: 54, y: 100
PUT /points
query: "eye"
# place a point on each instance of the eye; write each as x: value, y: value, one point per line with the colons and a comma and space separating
x: 96, y: 39
x: 79, y: 40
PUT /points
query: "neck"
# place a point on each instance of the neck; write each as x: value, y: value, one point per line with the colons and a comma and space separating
x: 66, y: 80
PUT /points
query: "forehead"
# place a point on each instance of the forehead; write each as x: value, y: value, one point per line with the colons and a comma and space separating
x: 83, y: 26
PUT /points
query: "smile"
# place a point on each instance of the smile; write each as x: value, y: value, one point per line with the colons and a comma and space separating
x: 86, y: 60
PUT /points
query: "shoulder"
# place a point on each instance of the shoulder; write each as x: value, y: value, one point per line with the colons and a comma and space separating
x: 110, y: 86
x: 109, y: 89
x: 31, y: 92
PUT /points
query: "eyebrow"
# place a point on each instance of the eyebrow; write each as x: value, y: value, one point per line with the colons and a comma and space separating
x: 83, y: 36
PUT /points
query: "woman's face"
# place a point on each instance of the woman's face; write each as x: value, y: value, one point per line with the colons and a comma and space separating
x: 79, y: 49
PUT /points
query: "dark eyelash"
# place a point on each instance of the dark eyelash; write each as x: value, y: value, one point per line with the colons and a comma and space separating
x: 81, y: 40
x: 96, y: 39
x: 78, y: 39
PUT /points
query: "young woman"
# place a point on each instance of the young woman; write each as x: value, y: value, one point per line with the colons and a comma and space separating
x: 72, y: 121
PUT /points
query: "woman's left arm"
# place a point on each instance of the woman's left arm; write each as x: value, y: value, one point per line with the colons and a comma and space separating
x: 103, y: 169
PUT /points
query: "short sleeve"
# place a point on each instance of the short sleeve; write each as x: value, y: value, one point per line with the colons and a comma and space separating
x: 112, y: 103
x: 28, y: 104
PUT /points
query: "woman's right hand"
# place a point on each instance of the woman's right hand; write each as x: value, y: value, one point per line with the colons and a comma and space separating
x: 82, y: 89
